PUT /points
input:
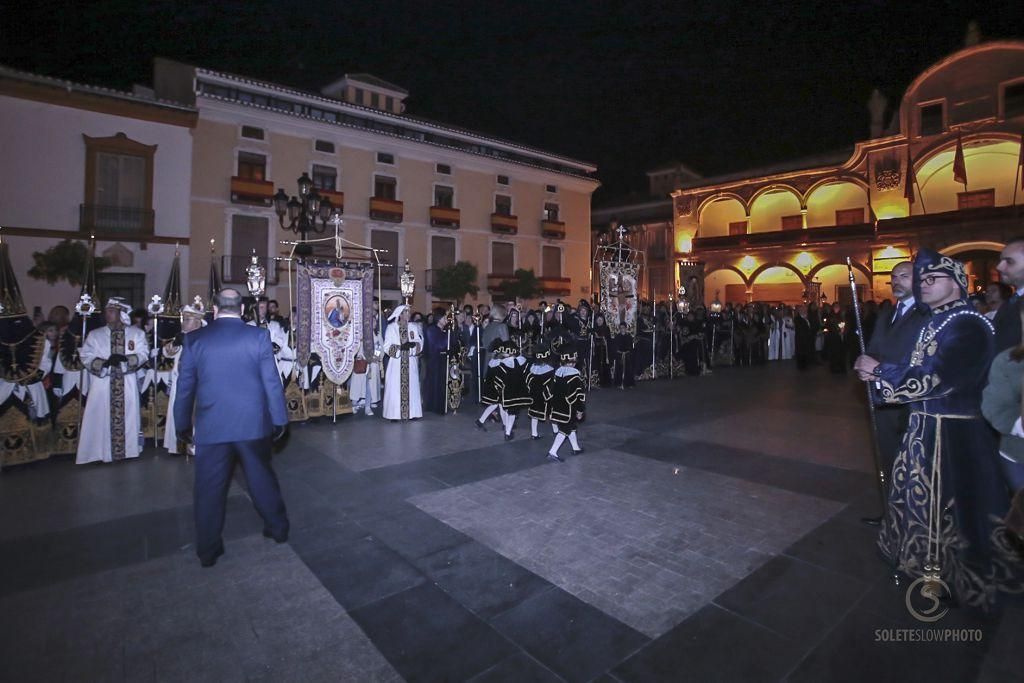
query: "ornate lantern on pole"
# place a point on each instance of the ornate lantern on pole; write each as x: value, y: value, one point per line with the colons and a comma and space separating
x: 306, y: 213
x: 255, y: 276
x: 407, y: 283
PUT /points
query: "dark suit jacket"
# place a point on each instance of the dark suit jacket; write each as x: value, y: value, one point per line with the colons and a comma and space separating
x: 1007, y: 324
x: 227, y: 372
x: 894, y: 343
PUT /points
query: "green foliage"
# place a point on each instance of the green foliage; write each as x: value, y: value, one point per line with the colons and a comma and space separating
x: 456, y: 282
x: 64, y: 261
x: 525, y: 285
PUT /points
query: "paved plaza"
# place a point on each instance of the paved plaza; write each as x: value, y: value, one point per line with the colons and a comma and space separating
x: 709, y: 532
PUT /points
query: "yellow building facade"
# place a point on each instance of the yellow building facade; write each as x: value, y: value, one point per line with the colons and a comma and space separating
x: 783, y: 234
x: 425, y: 192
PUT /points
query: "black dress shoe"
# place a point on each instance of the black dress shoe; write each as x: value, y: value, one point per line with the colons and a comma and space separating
x: 555, y: 457
x: 480, y: 426
x: 577, y: 452
x: 871, y: 521
x: 208, y: 562
x: 278, y: 539
x: 509, y: 437
x: 534, y: 437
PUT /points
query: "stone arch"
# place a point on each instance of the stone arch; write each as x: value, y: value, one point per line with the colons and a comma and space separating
x: 769, y: 204
x: 727, y: 282
x: 715, y: 215
x: 991, y: 160
x: 818, y: 267
x: 954, y: 249
x: 726, y: 266
x: 777, y: 264
x: 710, y: 199
x: 829, y: 195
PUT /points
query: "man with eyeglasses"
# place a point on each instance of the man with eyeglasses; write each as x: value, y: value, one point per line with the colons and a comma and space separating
x: 892, y: 341
x: 948, y: 497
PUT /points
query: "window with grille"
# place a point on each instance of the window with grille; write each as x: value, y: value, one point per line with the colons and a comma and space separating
x: 252, y: 132
x: 385, y: 187
x: 503, y: 205
x: 931, y: 119
x: 386, y: 239
x: 444, y: 169
x: 976, y: 199
x: 551, y: 189
x: 442, y: 252
x: 551, y: 261
x: 252, y: 166
x: 324, y: 146
x: 444, y: 197
x: 247, y: 233
x: 325, y: 177
x: 503, y: 258
x: 849, y: 216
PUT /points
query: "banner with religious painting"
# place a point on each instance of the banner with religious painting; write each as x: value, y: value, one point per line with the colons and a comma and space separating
x: 618, y: 299
x: 334, y: 316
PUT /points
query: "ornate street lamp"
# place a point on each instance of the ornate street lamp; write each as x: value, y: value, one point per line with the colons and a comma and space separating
x: 309, y: 212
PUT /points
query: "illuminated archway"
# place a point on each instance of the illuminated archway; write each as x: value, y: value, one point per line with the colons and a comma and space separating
x: 991, y: 164
x: 769, y: 206
x: 829, y: 196
x: 727, y: 282
x: 980, y: 260
x: 835, y: 282
x: 778, y: 283
x: 716, y: 214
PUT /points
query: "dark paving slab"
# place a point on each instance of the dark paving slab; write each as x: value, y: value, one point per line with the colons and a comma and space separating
x: 850, y: 652
x: 567, y: 635
x: 842, y: 546
x: 428, y: 636
x: 49, y: 558
x: 794, y: 599
x: 519, y: 668
x: 714, y: 645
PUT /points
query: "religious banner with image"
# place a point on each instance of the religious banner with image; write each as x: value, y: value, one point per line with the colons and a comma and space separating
x: 334, y: 316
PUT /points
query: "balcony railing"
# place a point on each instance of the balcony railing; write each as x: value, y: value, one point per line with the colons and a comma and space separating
x: 504, y: 224
x: 390, y: 210
x: 444, y: 217
x: 553, y: 229
x: 337, y: 198
x: 249, y: 191
x: 782, y: 237
x: 115, y: 220
x: 232, y: 268
x: 556, y: 286
x: 494, y: 281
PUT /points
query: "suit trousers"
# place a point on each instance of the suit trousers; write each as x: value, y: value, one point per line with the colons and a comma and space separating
x: 891, y: 421
x: 214, y: 464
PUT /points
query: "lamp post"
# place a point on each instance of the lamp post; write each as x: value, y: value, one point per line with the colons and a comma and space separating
x: 306, y: 213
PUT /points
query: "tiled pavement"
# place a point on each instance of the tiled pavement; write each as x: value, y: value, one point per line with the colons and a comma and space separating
x: 709, y: 533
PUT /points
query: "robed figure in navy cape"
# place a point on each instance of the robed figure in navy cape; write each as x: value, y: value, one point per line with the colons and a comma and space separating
x: 437, y: 347
x: 948, y: 495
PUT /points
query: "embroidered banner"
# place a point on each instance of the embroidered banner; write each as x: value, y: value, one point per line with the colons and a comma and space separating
x: 334, y: 316
x: 618, y: 282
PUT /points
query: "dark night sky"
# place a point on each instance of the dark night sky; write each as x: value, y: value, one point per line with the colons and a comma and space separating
x: 721, y: 86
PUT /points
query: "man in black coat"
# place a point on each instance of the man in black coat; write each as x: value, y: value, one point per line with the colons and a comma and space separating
x: 893, y: 340
x: 1007, y: 318
x: 804, y: 347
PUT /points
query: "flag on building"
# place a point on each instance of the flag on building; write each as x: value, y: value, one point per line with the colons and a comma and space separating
x: 908, y: 185
x: 959, y: 163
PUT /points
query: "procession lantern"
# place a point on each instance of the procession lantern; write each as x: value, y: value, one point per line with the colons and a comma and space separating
x: 407, y: 283
x: 256, y: 276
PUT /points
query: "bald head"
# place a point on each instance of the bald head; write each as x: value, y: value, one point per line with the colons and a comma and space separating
x: 227, y: 302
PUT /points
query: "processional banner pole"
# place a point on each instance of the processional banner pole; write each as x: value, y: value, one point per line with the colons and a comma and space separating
x: 879, y: 470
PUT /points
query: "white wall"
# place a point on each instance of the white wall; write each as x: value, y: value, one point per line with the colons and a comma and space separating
x: 42, y: 184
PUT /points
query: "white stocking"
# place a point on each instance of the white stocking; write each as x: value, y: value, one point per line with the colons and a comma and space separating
x: 487, y: 412
x: 510, y: 421
x: 559, y: 439
x: 554, y: 428
x: 533, y: 426
x: 573, y: 442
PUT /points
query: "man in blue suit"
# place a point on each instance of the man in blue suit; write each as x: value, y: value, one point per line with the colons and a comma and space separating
x: 228, y: 379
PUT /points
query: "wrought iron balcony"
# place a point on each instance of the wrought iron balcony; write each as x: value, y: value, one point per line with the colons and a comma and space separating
x: 382, y: 209
x: 504, y: 224
x: 250, y: 191
x: 553, y: 229
x: 337, y: 198
x: 115, y: 220
x: 556, y: 286
x: 444, y: 217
